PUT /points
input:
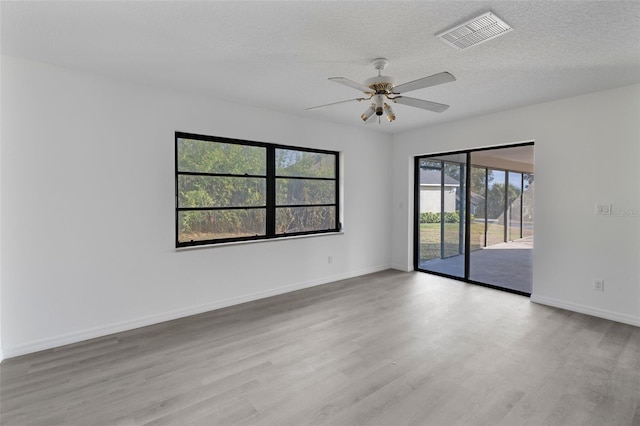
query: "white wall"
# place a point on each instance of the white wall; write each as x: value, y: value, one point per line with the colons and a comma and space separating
x: 587, y: 151
x: 87, y: 211
x: 87, y: 219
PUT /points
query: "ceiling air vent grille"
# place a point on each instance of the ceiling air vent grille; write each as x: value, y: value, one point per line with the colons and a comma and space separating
x: 476, y: 31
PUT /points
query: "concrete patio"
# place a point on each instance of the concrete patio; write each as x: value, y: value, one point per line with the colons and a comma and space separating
x: 508, y: 265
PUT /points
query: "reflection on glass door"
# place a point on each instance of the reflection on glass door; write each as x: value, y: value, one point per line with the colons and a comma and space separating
x: 527, y: 205
x: 514, y: 206
x: 495, y: 207
x: 441, y: 214
x: 478, y: 206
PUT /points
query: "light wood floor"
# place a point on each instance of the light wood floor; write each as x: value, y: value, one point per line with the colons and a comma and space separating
x: 390, y: 348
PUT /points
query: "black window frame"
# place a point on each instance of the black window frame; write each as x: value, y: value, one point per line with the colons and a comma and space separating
x: 270, y: 177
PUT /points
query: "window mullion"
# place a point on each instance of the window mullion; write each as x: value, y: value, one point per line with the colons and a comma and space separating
x: 271, y: 192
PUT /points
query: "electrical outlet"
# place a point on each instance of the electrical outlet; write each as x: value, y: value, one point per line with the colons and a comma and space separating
x: 598, y: 285
x: 604, y: 209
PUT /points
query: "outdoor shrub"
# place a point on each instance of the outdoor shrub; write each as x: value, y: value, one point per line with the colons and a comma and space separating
x: 451, y: 217
x: 429, y: 217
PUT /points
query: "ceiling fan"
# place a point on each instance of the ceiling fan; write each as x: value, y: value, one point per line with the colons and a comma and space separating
x: 383, y: 88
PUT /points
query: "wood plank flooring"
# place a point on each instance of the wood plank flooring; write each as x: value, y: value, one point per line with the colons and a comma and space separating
x: 389, y: 348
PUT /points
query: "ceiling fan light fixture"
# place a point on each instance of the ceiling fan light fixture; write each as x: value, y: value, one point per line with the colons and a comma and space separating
x: 390, y: 114
x: 369, y: 112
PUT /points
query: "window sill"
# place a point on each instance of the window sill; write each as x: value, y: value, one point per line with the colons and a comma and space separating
x: 267, y: 240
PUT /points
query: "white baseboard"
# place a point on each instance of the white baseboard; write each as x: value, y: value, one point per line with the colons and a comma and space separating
x: 600, y: 313
x: 95, y: 332
x: 403, y: 268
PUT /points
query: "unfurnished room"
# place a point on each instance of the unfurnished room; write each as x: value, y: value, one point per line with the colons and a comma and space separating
x: 320, y: 213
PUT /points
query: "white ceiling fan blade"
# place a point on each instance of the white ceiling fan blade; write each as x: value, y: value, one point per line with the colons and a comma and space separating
x: 419, y: 103
x: 335, y: 103
x: 352, y: 84
x: 433, y: 80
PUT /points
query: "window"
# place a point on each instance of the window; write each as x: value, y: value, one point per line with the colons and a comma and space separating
x: 234, y: 190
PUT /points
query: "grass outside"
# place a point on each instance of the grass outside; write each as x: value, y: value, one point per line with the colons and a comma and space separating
x: 430, y: 238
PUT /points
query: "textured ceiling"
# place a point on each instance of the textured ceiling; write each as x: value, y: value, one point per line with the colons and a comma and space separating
x: 278, y: 55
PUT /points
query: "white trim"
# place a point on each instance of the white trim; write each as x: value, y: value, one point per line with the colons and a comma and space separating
x: 264, y: 240
x: 600, y: 313
x: 403, y: 268
x: 78, y: 336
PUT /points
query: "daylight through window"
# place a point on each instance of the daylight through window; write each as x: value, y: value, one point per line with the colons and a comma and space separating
x: 233, y: 190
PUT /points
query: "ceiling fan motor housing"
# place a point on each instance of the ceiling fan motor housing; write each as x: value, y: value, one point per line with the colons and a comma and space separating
x: 381, y: 84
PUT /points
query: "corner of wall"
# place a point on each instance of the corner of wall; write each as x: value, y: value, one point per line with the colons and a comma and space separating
x: 587, y: 310
x: 403, y: 268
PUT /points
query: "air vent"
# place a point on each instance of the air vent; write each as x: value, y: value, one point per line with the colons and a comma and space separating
x: 477, y: 30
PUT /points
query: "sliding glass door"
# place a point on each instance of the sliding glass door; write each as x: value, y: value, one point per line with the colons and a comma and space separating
x: 483, y: 234
x: 441, y: 213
